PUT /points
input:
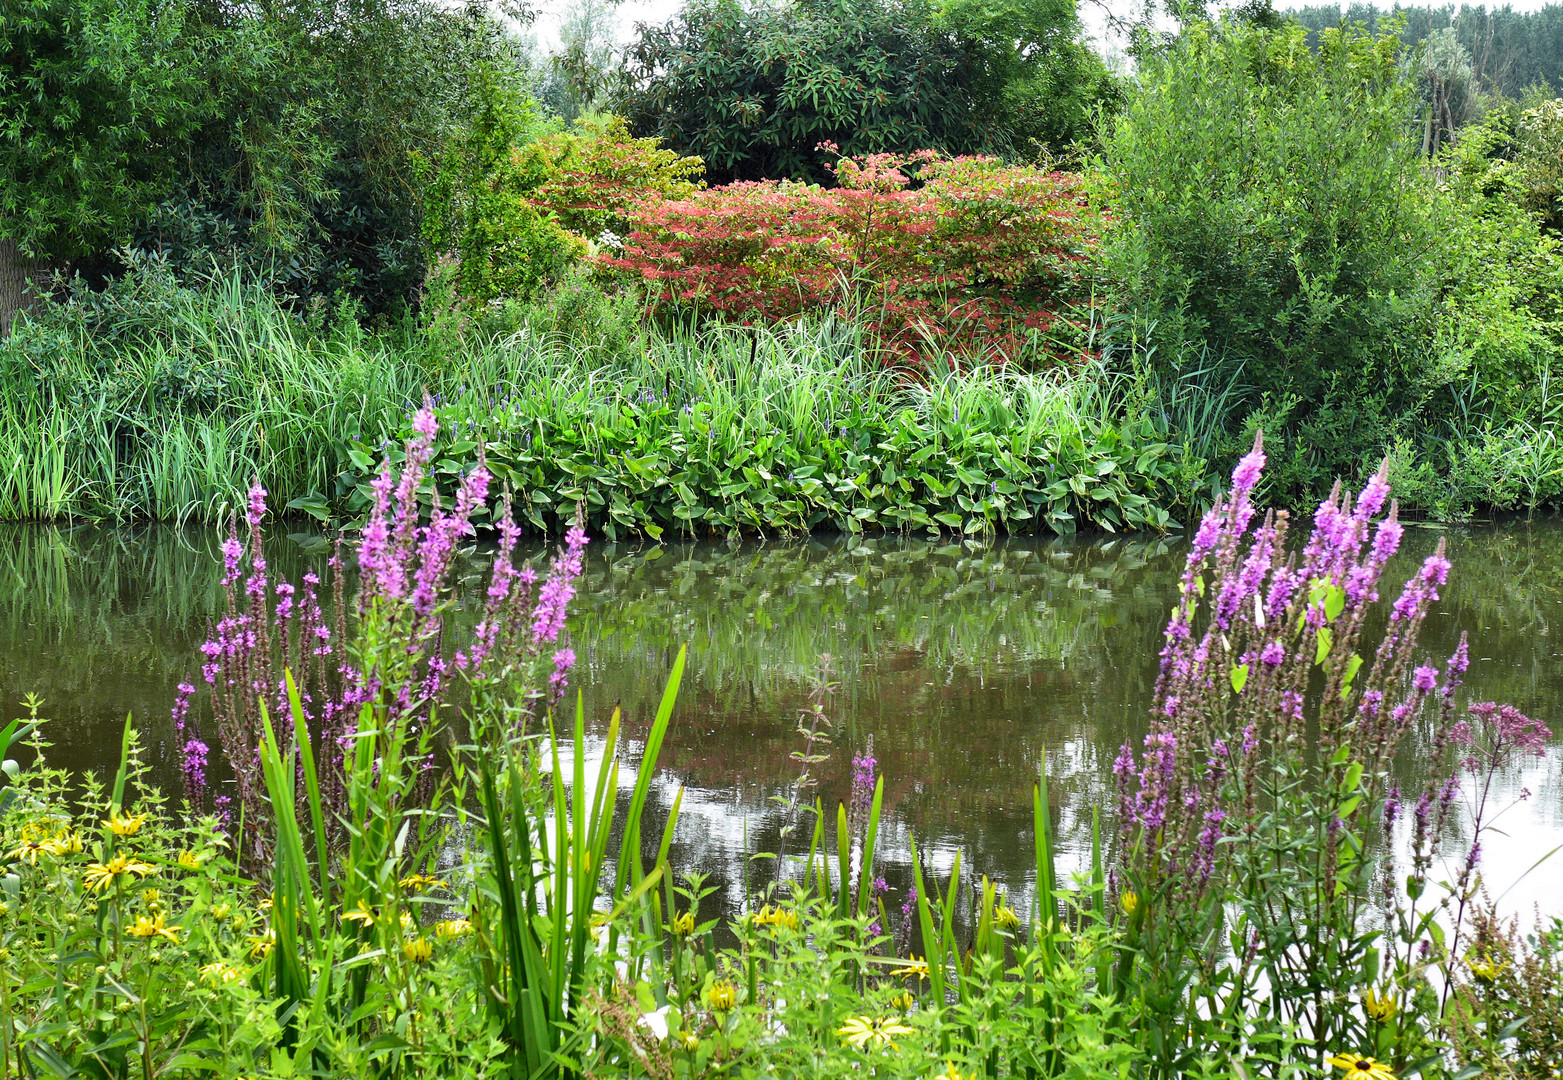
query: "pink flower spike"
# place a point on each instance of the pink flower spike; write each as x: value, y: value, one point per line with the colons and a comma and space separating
x: 257, y: 509
x: 1247, y: 473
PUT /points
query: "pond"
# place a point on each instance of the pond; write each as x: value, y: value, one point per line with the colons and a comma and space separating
x: 964, y: 662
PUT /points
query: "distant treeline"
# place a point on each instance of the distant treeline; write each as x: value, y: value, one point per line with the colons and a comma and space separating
x: 1510, y: 50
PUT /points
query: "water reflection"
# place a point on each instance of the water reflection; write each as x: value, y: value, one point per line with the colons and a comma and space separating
x: 965, y: 662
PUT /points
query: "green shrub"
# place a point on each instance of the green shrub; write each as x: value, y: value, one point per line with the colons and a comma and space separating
x: 752, y: 89
x: 1036, y: 84
x: 282, y: 142
x: 1272, y: 207
x: 516, y: 205
x: 1280, y: 233
x: 96, y: 99
x: 1516, y: 154
x: 479, y: 206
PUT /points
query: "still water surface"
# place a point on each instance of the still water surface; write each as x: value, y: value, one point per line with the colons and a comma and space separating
x: 963, y: 662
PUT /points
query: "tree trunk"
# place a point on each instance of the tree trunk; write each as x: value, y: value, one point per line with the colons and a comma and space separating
x: 17, y: 289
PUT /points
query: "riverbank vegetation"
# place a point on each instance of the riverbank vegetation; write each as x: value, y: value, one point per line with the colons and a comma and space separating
x: 773, y: 269
x: 342, y: 909
x: 1345, y: 238
x: 690, y: 431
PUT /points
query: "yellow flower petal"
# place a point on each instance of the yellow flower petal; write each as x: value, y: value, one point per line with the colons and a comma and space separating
x: 1361, y: 1068
x: 722, y: 996
x: 124, y: 824
x: 450, y: 929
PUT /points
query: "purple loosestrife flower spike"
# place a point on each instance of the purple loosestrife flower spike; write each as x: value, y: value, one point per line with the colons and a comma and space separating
x: 862, y: 781
x: 193, y: 766
x: 257, y: 508
x: 1374, y: 494
x: 564, y: 660
x: 1247, y: 473
x: 554, y: 597
x: 181, y: 707
x: 232, y: 552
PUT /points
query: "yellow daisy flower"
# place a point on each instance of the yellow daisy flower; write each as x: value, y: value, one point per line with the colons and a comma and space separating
x: 684, y: 925
x: 1377, y: 1008
x: 1005, y: 918
x: 451, y: 929
x: 262, y: 944
x: 65, y: 844
x: 866, y: 1032
x: 722, y: 996
x: 776, y: 917
x: 1486, y: 970
x: 215, y: 973
x: 916, y: 967
x: 125, y: 824
x: 29, y: 851
x: 1361, y: 1068
x: 418, y: 950
x: 421, y: 882
x: 100, y: 875
x: 1130, y: 902
x: 154, y: 927
x: 189, y: 860
x: 363, y: 914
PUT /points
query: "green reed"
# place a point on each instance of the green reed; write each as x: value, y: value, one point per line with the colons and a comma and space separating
x: 167, y: 410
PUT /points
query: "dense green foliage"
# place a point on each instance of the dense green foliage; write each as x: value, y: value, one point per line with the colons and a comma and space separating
x: 759, y: 433
x: 1512, y: 49
x: 1282, y: 238
x: 753, y: 89
x: 94, y: 100
x: 283, y: 138
x: 164, y: 403
x: 480, y: 205
x: 1302, y: 264
x: 517, y: 202
x: 1036, y: 86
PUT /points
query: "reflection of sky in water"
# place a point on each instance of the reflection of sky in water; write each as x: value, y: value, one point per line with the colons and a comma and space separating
x: 965, y: 663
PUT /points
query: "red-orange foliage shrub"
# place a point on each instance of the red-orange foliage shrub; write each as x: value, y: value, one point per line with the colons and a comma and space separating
x: 965, y: 254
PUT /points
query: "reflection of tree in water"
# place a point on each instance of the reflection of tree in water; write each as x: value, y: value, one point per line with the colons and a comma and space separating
x: 1506, y: 590
x: 963, y: 661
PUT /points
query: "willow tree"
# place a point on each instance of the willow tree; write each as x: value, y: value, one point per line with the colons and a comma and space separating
x: 94, y: 94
